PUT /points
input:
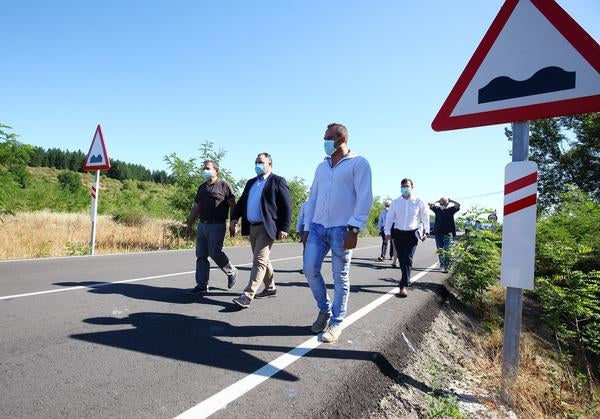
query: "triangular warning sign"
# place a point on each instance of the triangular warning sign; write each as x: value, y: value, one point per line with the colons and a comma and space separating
x: 534, y: 62
x: 97, y: 157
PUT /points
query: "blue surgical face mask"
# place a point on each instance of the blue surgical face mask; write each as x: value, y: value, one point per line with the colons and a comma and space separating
x: 207, y: 174
x: 259, y: 168
x: 329, y: 147
x: 405, y: 190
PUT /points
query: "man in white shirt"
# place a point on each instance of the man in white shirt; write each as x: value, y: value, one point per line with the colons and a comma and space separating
x: 409, y: 216
x: 338, y: 207
x: 380, y: 225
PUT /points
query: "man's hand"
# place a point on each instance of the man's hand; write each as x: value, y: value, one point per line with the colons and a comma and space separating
x: 281, y: 235
x: 424, y: 237
x: 350, y: 240
x: 189, y: 231
x: 304, y: 237
x: 388, y: 237
x: 232, y: 228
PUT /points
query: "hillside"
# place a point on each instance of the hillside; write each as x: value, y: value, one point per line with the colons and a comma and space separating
x: 43, y: 188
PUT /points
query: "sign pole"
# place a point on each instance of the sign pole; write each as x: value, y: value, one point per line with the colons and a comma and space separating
x: 95, y: 192
x: 514, y: 296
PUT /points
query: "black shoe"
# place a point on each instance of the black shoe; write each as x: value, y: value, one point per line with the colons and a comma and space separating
x: 266, y: 293
x: 198, y: 290
x: 231, y: 279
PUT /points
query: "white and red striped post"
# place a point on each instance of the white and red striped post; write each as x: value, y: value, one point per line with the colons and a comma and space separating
x: 518, y: 232
x: 94, y: 210
x: 518, y: 250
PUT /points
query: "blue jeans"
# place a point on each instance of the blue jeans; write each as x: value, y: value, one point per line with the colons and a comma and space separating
x: 320, y: 241
x: 442, y: 242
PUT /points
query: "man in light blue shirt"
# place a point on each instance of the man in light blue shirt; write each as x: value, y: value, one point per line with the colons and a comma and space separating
x: 265, y: 208
x: 380, y: 225
x: 338, y: 207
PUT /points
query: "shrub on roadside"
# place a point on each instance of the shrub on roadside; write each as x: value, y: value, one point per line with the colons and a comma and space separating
x: 133, y: 216
x: 476, y: 265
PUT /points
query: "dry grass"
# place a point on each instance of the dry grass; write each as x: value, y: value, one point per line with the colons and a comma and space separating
x: 43, y: 233
x: 544, y: 386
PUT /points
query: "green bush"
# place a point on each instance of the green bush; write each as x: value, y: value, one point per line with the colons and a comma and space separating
x: 70, y: 181
x: 568, y: 277
x: 134, y: 216
x: 476, y: 264
x: 77, y: 248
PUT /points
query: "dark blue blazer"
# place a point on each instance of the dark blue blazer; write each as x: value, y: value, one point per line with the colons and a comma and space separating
x: 275, y: 203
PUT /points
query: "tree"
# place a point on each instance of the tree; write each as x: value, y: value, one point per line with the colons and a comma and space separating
x: 187, y: 175
x: 298, y: 195
x: 70, y: 181
x: 567, y: 151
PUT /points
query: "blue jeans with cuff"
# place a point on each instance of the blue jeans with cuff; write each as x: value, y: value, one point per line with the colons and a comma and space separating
x: 320, y: 241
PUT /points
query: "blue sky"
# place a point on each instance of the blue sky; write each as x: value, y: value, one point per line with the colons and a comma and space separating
x: 164, y: 76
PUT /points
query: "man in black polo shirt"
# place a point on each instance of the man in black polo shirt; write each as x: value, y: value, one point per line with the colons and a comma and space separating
x: 213, y: 203
x: 445, y: 229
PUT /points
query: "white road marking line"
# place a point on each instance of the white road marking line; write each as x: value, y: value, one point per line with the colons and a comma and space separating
x: 106, y: 284
x: 121, y: 254
x: 229, y: 394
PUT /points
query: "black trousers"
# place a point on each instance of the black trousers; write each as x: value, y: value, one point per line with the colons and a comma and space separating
x: 384, y: 245
x: 406, y: 244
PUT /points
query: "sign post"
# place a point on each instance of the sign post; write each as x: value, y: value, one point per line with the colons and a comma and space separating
x: 96, y: 159
x: 518, y: 253
x: 534, y: 62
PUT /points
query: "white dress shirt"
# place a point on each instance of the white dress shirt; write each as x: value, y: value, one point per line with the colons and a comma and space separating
x: 340, y: 195
x: 406, y: 214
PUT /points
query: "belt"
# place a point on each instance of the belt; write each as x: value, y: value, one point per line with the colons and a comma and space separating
x: 256, y: 224
x: 212, y: 222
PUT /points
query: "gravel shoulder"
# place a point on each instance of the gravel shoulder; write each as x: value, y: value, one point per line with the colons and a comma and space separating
x: 440, y: 379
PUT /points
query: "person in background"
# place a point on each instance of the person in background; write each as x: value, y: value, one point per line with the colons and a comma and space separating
x: 408, y: 215
x: 338, y: 207
x: 266, y: 211
x: 300, y: 228
x: 445, y: 228
x: 213, y: 203
x: 380, y: 225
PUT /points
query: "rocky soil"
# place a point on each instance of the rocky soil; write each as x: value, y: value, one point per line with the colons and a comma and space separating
x: 440, y: 379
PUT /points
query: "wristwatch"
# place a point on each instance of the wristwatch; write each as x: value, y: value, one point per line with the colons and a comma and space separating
x: 353, y: 229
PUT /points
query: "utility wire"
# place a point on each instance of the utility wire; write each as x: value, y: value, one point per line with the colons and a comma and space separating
x: 478, y: 196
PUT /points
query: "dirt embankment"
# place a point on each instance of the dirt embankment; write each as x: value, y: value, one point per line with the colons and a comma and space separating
x: 439, y: 380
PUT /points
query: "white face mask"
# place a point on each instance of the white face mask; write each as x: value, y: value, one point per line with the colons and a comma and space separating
x: 443, y: 206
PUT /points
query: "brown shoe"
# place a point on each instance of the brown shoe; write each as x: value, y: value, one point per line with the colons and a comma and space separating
x: 402, y: 293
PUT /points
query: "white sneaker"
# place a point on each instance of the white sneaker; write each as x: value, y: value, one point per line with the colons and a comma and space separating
x: 332, y: 333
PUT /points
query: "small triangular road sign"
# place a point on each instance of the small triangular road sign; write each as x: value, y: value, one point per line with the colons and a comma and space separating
x: 97, y: 157
x: 534, y: 62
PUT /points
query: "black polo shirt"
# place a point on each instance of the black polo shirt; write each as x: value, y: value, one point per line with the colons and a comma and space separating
x: 444, y: 220
x: 213, y: 201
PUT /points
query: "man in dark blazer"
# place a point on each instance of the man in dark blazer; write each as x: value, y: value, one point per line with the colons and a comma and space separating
x: 266, y: 211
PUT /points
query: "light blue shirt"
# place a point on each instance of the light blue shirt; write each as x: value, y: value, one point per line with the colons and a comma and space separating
x: 300, y: 222
x: 253, y: 209
x: 340, y: 195
x: 381, y: 221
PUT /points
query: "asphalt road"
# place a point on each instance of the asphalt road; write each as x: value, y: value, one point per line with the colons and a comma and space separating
x: 117, y: 336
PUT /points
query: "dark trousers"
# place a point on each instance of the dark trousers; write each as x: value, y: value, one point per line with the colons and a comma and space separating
x: 384, y: 246
x: 209, y: 243
x: 406, y: 244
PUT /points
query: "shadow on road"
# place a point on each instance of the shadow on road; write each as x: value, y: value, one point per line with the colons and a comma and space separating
x: 188, y: 339
x: 196, y: 340
x: 154, y: 293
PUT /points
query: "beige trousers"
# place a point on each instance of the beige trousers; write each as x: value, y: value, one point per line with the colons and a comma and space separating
x: 262, y: 270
